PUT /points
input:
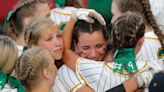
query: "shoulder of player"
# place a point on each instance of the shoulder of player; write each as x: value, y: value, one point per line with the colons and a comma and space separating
x: 7, y: 88
x: 69, y: 78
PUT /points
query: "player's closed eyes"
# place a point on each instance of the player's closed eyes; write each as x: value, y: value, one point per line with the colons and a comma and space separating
x: 50, y: 38
x: 99, y: 46
x: 85, y: 47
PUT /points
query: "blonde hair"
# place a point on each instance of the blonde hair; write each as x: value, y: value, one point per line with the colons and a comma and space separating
x: 34, y: 29
x: 9, y: 54
x: 30, y: 66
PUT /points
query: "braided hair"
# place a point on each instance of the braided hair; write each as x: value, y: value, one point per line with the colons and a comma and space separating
x: 30, y: 66
x: 143, y: 8
x: 127, y: 30
x: 151, y: 20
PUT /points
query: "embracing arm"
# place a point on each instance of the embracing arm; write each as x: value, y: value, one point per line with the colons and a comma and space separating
x: 128, y: 86
x: 85, y: 89
x: 141, y: 79
x: 69, y: 57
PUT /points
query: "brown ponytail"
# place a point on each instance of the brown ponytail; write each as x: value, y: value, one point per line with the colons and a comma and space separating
x: 127, y: 30
x: 151, y: 21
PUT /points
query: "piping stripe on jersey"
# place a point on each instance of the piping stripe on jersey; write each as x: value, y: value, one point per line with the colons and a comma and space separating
x: 151, y: 38
x: 62, y: 13
x: 77, y: 68
x: 76, y: 86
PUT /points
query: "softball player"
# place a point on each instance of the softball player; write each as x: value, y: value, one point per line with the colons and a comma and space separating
x: 66, y: 75
x: 99, y: 75
x: 153, y: 38
x: 151, y: 52
x: 68, y: 79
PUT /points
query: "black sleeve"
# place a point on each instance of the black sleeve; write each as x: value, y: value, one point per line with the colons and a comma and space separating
x: 119, y: 88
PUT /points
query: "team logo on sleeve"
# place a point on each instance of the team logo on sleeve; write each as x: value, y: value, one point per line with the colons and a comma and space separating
x: 160, y: 53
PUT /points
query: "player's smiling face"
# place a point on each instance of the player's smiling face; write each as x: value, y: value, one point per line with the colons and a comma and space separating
x: 91, y: 45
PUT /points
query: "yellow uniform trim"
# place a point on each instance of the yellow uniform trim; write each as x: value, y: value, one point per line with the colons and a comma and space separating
x: 80, y: 75
x: 62, y: 13
x: 110, y: 68
x: 75, y: 87
x: 151, y: 38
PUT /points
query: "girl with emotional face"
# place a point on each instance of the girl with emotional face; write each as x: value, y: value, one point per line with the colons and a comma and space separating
x: 97, y: 74
x: 152, y: 42
x: 89, y: 41
x: 40, y: 32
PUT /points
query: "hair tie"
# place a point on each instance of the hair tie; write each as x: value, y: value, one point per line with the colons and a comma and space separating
x: 16, y: 84
x: 9, y: 15
x: 3, y: 78
x: 60, y: 3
